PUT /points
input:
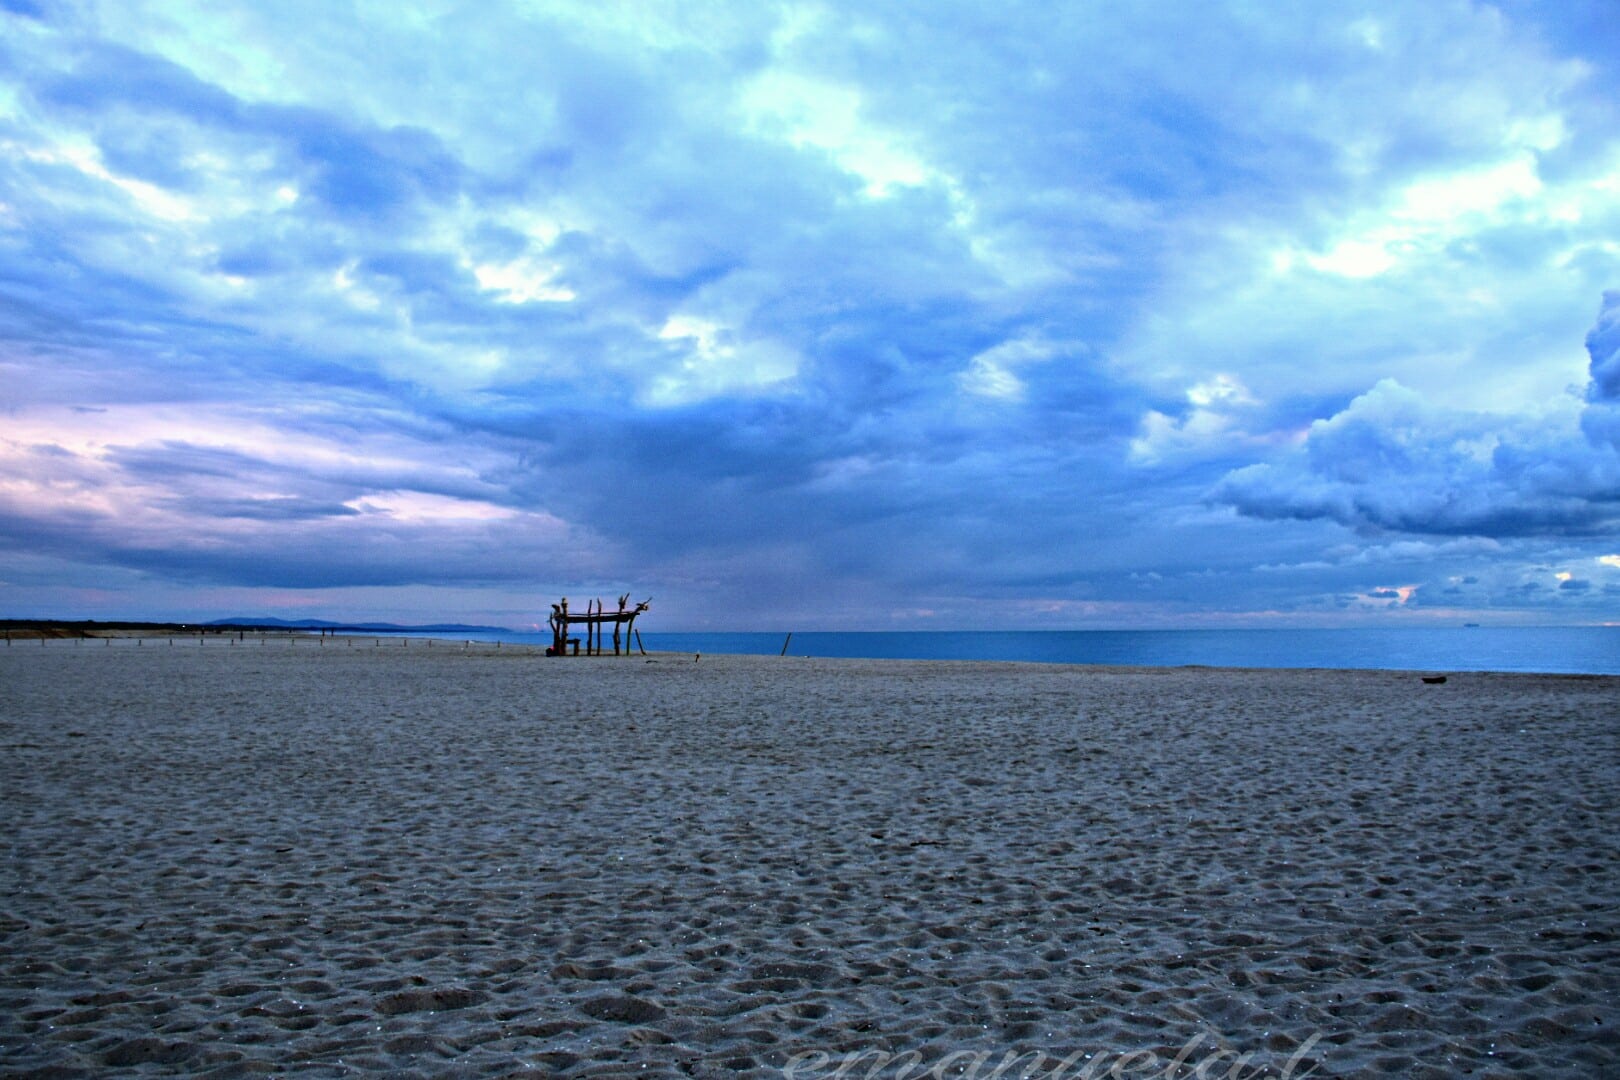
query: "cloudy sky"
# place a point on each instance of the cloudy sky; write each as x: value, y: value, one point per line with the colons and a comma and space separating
x: 807, y: 315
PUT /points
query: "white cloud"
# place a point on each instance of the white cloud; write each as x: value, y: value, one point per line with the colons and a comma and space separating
x: 808, y: 112
x: 1420, y: 220
x: 522, y: 281
x: 1215, y: 424
x: 993, y: 373
x: 713, y: 359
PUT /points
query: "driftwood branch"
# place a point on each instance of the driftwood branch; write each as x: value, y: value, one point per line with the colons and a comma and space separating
x: 593, y: 619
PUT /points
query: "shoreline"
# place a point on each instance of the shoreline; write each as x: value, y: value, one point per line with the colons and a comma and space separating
x: 403, y: 861
x: 407, y: 640
x: 1571, y: 650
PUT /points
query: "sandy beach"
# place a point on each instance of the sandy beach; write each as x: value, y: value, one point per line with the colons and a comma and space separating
x: 330, y: 859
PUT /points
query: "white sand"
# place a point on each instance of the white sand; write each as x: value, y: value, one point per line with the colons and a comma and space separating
x: 232, y: 860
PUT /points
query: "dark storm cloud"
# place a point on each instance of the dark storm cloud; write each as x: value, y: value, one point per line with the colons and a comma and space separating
x: 1392, y: 460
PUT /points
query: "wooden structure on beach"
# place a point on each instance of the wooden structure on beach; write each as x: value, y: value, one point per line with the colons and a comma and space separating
x: 593, y: 619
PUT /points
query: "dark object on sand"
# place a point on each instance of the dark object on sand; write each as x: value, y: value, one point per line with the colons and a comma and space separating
x: 1433, y: 679
x: 593, y: 619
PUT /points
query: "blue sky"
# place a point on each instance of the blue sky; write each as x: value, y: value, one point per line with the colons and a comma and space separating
x: 912, y: 315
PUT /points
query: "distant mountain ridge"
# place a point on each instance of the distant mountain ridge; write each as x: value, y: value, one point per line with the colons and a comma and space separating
x: 374, y: 627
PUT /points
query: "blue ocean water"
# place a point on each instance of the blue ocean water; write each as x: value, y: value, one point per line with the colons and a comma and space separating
x: 1564, y: 649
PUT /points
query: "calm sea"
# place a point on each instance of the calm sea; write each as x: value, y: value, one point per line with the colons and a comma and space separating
x: 1568, y: 649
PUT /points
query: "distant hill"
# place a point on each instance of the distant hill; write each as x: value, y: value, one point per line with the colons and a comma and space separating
x: 369, y: 627
x: 93, y: 627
